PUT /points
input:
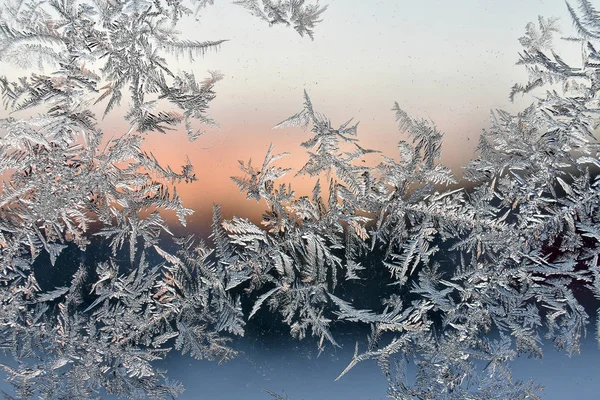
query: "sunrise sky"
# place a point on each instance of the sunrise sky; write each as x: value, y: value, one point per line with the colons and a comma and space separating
x: 448, y: 61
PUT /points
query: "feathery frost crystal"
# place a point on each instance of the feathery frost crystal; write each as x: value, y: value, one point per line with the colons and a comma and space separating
x: 473, y: 276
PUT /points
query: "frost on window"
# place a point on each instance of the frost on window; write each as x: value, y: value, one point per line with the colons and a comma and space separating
x: 473, y: 275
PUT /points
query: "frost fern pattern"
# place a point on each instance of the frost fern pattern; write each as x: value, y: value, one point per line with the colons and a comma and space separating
x: 504, y: 255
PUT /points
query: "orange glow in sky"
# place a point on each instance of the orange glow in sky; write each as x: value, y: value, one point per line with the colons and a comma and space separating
x: 451, y: 62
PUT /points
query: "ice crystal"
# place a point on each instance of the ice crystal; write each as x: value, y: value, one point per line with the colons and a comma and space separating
x: 503, y: 256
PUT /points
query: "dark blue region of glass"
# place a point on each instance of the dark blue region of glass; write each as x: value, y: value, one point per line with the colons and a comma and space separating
x: 294, y: 369
x: 285, y: 367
